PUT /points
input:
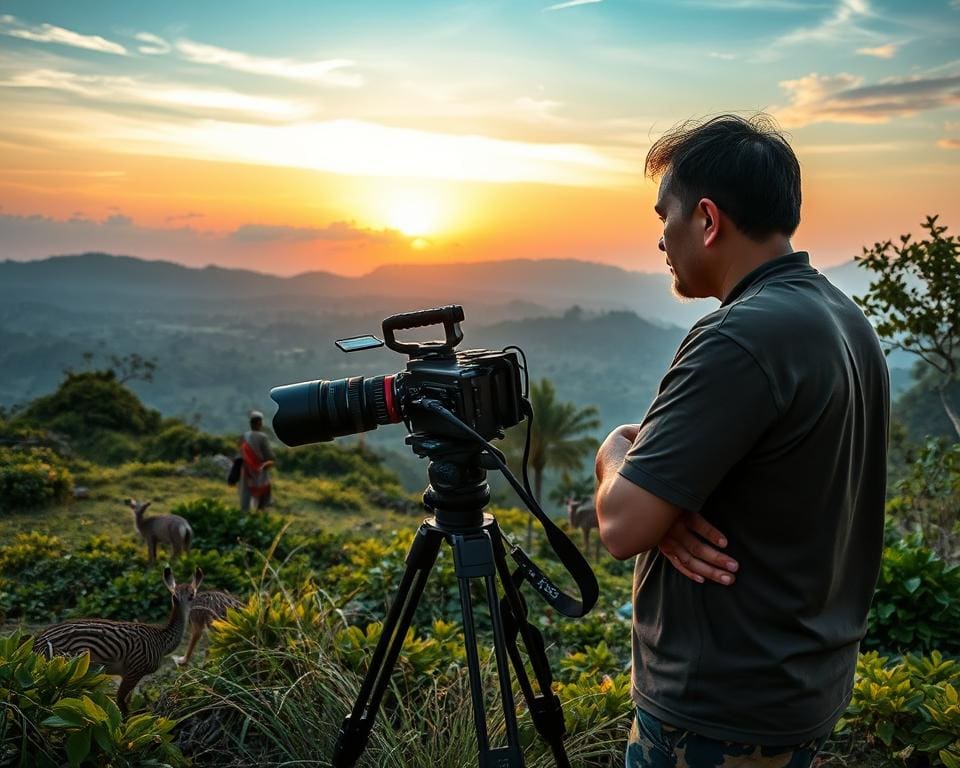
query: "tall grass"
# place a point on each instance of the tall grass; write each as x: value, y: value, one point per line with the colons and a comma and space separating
x: 282, y: 673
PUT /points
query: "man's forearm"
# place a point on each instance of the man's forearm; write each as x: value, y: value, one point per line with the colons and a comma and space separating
x: 631, y: 519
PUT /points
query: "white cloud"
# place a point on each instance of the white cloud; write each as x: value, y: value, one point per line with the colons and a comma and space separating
x: 721, y: 56
x: 154, y: 45
x: 47, y: 33
x: 129, y: 90
x: 844, y: 99
x: 369, y: 149
x: 887, y: 51
x: 327, y: 71
x: 570, y: 4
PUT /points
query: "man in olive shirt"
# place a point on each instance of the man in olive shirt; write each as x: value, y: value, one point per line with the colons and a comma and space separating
x: 753, y: 490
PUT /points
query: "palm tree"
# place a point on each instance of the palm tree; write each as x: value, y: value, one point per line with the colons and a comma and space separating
x: 557, y: 439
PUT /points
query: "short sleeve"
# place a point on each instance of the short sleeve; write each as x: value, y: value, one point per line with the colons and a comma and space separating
x: 712, y: 407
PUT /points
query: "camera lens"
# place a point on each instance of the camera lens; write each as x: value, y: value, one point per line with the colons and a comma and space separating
x: 320, y: 410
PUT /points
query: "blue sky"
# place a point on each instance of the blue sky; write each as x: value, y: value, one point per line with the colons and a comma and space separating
x: 462, y: 96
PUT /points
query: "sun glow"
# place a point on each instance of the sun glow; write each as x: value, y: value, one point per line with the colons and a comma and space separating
x: 413, y: 214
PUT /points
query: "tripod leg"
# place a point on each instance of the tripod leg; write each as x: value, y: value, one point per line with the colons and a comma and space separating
x: 545, y: 708
x: 355, y: 730
x: 474, y: 558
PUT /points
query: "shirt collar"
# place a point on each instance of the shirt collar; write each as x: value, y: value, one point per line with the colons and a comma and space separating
x: 765, y: 271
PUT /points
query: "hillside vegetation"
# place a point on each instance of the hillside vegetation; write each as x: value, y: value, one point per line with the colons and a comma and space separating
x: 272, y: 682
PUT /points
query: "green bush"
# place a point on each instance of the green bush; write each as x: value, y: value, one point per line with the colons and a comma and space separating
x: 177, y: 441
x: 41, y: 581
x: 65, y: 715
x: 90, y: 402
x: 916, y: 606
x: 139, y: 594
x: 217, y: 525
x: 32, y: 478
x: 910, y: 706
x: 331, y: 461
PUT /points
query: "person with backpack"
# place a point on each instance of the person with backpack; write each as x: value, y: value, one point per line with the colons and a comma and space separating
x: 257, y: 459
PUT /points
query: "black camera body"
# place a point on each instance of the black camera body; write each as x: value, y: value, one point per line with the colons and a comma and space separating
x: 481, y: 387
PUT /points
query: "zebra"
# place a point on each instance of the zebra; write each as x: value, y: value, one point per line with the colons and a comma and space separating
x: 208, y: 606
x: 129, y: 649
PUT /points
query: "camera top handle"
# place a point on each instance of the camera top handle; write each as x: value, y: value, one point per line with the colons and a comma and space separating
x: 449, y: 316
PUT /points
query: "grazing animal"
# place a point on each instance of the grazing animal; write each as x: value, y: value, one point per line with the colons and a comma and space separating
x: 171, y: 530
x: 208, y: 606
x: 583, y: 515
x: 126, y: 648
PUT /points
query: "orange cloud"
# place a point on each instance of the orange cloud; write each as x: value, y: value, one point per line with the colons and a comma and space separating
x: 887, y: 51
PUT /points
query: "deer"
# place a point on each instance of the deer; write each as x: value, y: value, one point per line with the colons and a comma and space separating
x: 129, y: 649
x: 208, y: 606
x: 171, y: 530
x: 583, y: 515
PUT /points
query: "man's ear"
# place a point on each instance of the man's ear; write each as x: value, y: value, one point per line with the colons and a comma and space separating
x: 711, y: 220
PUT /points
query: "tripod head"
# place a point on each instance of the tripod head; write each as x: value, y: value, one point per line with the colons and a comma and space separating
x: 458, y: 490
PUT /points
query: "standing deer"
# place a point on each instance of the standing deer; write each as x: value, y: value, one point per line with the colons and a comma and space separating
x: 126, y: 648
x: 171, y: 530
x: 208, y: 606
x: 583, y: 515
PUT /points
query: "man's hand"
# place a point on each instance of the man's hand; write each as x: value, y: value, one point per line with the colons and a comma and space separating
x: 686, y: 546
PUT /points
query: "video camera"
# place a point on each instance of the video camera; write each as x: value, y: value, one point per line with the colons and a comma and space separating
x: 481, y: 387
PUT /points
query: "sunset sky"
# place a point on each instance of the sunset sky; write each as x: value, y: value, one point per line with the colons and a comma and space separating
x: 294, y: 136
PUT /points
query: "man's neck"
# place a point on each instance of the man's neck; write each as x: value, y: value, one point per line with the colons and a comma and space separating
x: 749, y: 258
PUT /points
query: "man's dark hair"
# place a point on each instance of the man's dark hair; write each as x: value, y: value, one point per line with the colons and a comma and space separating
x: 744, y: 165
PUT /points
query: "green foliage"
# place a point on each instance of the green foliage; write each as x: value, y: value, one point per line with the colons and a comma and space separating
x: 285, y: 669
x: 914, y: 301
x: 40, y: 580
x: 60, y: 712
x: 91, y: 402
x: 32, y: 478
x: 137, y: 594
x: 910, y: 706
x: 916, y: 606
x: 177, y: 441
x: 928, y: 496
x: 333, y: 494
x: 220, y: 526
x: 330, y: 460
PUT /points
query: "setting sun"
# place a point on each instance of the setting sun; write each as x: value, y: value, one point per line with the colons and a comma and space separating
x: 413, y: 215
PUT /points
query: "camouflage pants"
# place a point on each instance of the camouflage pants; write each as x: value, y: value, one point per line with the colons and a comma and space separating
x: 653, y: 744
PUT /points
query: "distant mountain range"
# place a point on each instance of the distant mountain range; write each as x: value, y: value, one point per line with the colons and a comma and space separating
x: 490, y: 291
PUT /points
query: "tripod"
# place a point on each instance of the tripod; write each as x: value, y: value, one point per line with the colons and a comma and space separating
x: 457, y: 494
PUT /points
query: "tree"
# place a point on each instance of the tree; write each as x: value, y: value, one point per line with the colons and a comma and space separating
x: 557, y: 439
x: 915, y: 301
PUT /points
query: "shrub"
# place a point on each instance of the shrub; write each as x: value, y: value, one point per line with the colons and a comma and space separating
x: 65, y: 715
x: 333, y: 494
x: 328, y: 460
x: 41, y: 581
x: 108, y: 447
x: 910, y: 706
x: 140, y: 594
x: 90, y: 402
x: 177, y: 441
x: 32, y: 478
x: 916, y: 606
x: 219, y: 526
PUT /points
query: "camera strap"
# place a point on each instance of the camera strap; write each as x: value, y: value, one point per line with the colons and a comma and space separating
x: 565, y: 550
x: 571, y: 558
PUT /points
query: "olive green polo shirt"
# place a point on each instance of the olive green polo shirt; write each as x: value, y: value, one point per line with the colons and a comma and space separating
x: 771, y: 423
